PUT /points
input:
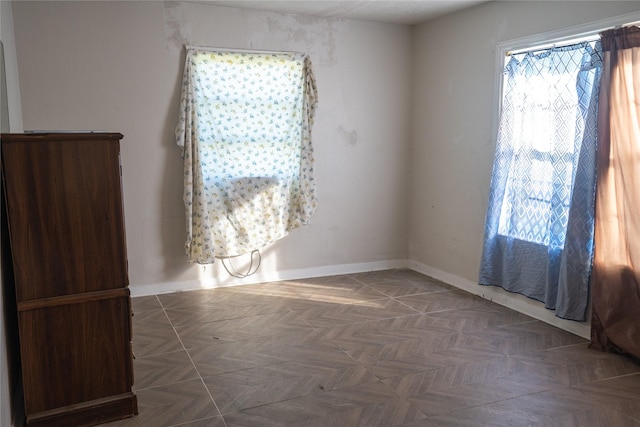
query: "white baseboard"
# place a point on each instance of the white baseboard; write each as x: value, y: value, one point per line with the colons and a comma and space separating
x: 516, y: 302
x: 261, y: 277
x: 498, y: 295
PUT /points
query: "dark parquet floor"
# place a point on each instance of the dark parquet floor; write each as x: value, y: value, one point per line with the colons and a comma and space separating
x: 388, y: 348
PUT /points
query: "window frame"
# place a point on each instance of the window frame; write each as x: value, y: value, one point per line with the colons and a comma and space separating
x: 232, y: 98
x: 543, y: 40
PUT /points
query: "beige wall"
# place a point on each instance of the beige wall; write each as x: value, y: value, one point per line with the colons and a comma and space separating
x: 117, y: 66
x: 453, y: 143
x: 403, y: 136
x: 454, y: 114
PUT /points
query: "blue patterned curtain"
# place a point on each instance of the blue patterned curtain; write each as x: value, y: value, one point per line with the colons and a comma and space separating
x: 245, y: 130
x: 539, y: 226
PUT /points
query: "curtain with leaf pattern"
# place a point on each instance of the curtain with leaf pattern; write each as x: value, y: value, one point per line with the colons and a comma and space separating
x: 245, y: 131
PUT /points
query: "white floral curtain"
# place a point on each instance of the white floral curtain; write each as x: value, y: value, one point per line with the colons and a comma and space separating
x: 245, y: 130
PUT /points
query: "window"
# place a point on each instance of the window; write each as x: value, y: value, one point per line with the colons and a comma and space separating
x: 247, y: 106
x: 539, y: 227
x: 543, y: 123
x: 245, y: 128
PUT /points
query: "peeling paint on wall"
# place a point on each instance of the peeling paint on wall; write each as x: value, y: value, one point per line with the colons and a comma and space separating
x: 310, y: 33
x: 174, y: 30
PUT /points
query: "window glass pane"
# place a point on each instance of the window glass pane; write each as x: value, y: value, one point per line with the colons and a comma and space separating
x: 250, y: 111
x: 540, y: 128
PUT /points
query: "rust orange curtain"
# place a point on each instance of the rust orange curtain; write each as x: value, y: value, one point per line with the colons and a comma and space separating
x: 615, y: 282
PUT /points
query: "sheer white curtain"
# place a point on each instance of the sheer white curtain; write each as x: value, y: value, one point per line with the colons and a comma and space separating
x: 539, y: 226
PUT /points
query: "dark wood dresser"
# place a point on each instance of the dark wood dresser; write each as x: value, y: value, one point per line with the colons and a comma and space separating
x: 67, y: 238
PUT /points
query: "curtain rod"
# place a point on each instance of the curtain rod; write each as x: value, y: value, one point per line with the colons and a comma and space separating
x: 587, y: 36
x: 223, y: 49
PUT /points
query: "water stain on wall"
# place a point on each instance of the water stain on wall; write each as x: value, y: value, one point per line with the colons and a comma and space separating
x: 175, y: 32
x: 306, y: 34
x: 349, y: 137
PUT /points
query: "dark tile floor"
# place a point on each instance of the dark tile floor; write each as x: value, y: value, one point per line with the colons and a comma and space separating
x: 390, y: 348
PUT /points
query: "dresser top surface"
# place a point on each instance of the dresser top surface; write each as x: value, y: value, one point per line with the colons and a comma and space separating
x: 53, y: 136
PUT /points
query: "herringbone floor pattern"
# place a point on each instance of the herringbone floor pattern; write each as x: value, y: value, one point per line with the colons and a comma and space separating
x: 390, y: 348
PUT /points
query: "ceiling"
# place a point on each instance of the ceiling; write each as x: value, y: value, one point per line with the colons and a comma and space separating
x: 407, y: 12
